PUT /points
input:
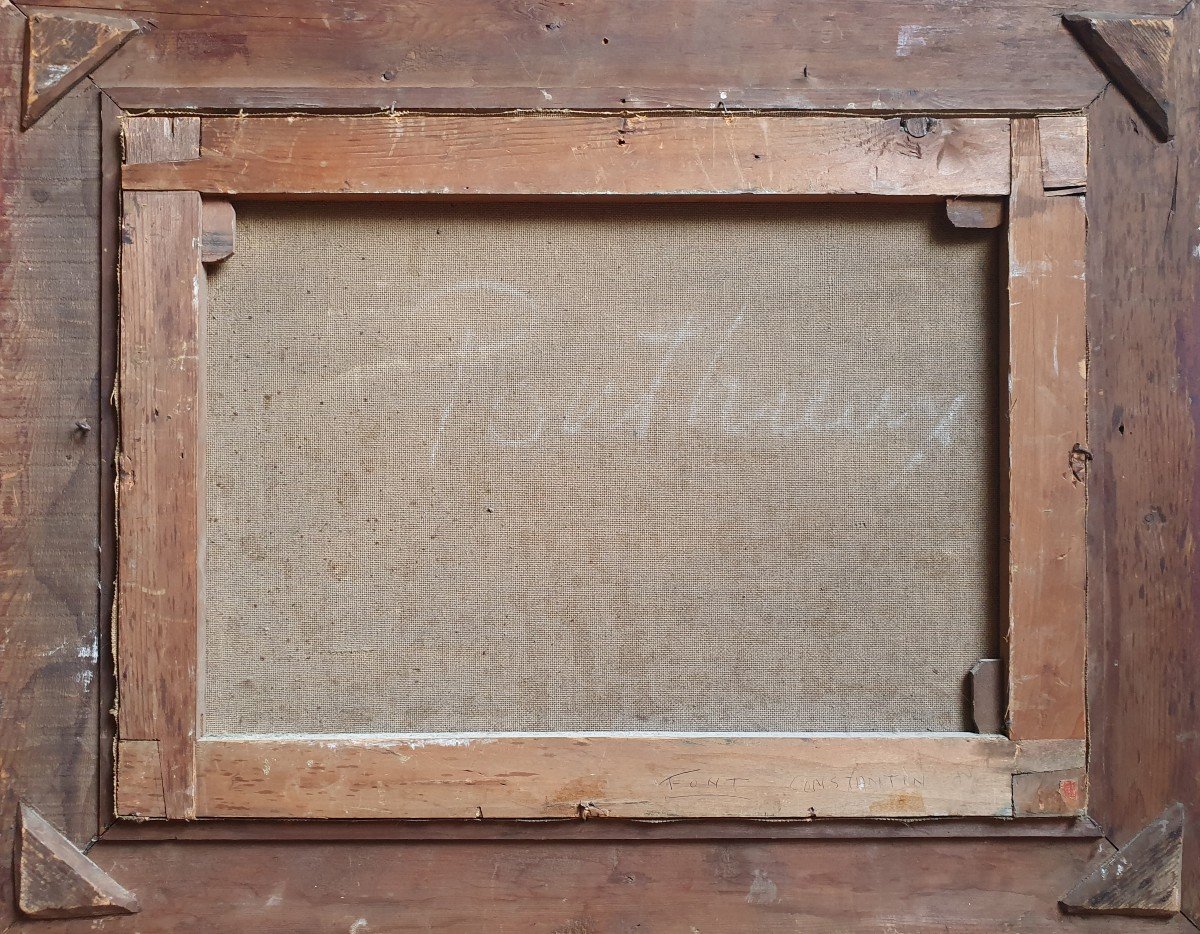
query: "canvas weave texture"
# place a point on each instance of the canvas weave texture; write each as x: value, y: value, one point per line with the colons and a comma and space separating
x: 599, y: 467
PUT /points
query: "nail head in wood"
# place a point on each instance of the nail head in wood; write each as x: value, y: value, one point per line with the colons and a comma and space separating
x: 982, y: 213
x: 917, y: 127
x: 219, y: 233
x: 56, y: 880
x: 1142, y: 879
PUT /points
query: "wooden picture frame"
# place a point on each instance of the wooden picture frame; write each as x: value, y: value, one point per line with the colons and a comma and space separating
x: 167, y: 767
x: 104, y: 807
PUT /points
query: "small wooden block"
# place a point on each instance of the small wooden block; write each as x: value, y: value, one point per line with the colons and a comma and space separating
x: 975, y: 212
x: 1141, y: 879
x: 1064, y: 152
x: 1135, y: 52
x: 61, y: 48
x: 1050, y: 794
x: 985, y: 683
x: 139, y: 779
x: 219, y: 232
x: 55, y: 879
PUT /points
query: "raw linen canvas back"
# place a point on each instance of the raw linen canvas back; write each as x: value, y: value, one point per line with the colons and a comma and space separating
x: 579, y: 466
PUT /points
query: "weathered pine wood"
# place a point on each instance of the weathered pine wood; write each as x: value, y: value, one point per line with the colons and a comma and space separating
x: 1144, y: 481
x: 617, y: 776
x: 1135, y: 51
x: 61, y: 47
x: 220, y: 230
x: 1064, y: 151
x: 1142, y: 879
x: 818, y: 887
x: 160, y: 496
x: 48, y: 496
x: 1046, y: 382
x: 55, y: 879
x: 975, y: 212
x: 985, y: 685
x: 530, y: 156
x: 1061, y: 793
x: 899, y: 56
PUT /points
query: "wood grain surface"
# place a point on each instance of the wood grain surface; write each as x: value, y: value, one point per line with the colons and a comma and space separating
x: 160, y: 498
x: 896, y: 56
x: 618, y: 776
x: 1046, y: 404
x: 815, y: 886
x: 49, y: 285
x: 1144, y: 480
x: 587, y: 155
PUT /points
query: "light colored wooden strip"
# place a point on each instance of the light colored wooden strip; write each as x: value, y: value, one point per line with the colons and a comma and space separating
x: 530, y: 156
x: 1050, y: 794
x: 160, y: 493
x: 220, y: 230
x: 983, y: 213
x: 654, y: 776
x: 160, y: 139
x: 1050, y: 755
x: 1064, y: 151
x: 139, y: 779
x: 1047, y: 380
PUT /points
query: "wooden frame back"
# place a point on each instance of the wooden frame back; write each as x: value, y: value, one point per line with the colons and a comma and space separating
x: 168, y: 768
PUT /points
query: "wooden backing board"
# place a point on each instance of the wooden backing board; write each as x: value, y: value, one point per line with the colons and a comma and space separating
x: 513, y: 887
x: 618, y: 776
x: 901, y: 56
x: 530, y: 156
x: 159, y: 590
x: 1046, y: 410
x: 558, y: 776
x: 51, y: 658
x: 1144, y: 483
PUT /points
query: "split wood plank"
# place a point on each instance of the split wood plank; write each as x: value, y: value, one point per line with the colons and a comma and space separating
x: 159, y: 139
x: 667, y: 776
x: 56, y: 880
x: 540, y: 156
x: 160, y: 496
x: 1047, y: 382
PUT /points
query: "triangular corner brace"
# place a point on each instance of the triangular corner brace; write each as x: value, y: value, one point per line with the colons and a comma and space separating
x: 1141, y: 879
x: 55, y: 879
x: 61, y: 48
x: 1135, y: 52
